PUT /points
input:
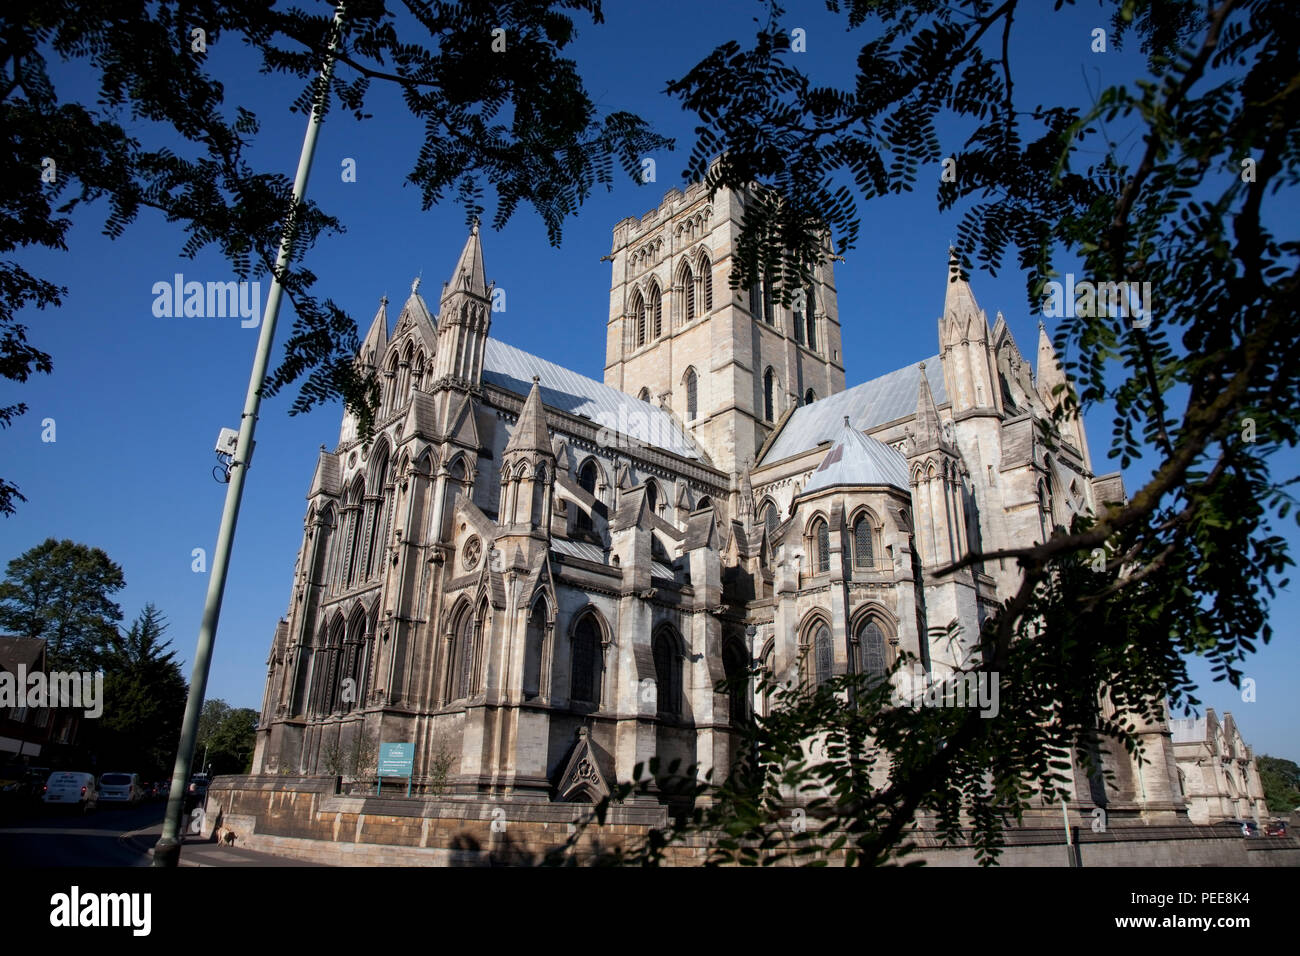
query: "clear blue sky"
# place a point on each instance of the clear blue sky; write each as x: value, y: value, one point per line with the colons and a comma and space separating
x: 138, y: 400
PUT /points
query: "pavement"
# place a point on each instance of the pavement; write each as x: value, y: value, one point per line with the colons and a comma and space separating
x: 199, y: 852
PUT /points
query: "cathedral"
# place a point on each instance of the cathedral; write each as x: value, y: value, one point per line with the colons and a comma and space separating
x: 540, y: 579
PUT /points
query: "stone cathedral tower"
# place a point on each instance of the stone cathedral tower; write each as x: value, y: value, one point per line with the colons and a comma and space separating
x: 729, y: 364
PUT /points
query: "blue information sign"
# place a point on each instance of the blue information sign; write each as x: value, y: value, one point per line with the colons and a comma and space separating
x: 396, y: 760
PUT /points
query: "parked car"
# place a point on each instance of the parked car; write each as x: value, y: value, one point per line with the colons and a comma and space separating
x: 1276, y: 828
x: 121, y: 788
x: 71, y: 788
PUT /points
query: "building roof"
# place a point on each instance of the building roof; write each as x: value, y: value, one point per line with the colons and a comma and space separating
x: 881, y: 400
x: 20, y: 650
x: 531, y: 433
x: 513, y: 369
x: 855, y: 459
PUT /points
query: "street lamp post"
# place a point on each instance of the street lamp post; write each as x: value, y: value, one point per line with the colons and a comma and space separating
x: 168, y: 850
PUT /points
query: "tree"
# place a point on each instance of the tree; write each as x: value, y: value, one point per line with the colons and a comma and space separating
x: 215, y: 713
x: 144, y: 698
x: 59, y: 591
x: 230, y: 749
x: 502, y: 109
x: 1205, y: 388
x: 1281, y: 780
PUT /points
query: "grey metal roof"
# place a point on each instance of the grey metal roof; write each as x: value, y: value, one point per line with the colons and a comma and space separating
x: 884, y: 399
x: 513, y: 369
x: 855, y: 459
x: 578, y: 549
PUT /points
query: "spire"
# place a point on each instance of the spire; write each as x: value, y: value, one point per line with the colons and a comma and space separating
x: 1049, y: 373
x: 927, y: 433
x: 376, y: 339
x: 958, y: 299
x: 531, y: 433
x: 468, y: 274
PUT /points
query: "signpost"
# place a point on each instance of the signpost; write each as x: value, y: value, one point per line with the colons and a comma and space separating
x: 396, y: 760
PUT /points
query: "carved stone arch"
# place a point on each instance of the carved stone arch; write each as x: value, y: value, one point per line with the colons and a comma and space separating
x: 458, y: 628
x: 810, y: 524
x: 866, y: 532
x: 589, y: 638
x: 873, y: 640
x: 539, y: 642
x: 816, y: 647
x: 670, y: 654
x: 377, y: 463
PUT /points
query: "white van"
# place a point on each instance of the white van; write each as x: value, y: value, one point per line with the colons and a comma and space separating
x: 71, y: 788
x: 121, y: 788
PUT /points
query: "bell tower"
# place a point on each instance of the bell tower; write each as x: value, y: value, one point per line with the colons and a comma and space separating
x: 728, y: 364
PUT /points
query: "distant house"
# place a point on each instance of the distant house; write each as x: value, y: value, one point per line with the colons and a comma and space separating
x: 29, y: 734
x: 1218, y: 771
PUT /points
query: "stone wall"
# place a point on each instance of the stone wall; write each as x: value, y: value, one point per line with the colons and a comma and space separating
x: 304, y: 818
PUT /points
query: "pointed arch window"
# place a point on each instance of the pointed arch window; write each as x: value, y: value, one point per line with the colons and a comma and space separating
x: 390, y: 386
x: 821, y: 545
x: 872, y: 657
x: 417, y: 372
x: 638, y: 319
x: 769, y: 311
x: 735, y: 665
x: 706, y: 283
x: 462, y: 659
x: 687, y: 279
x: 769, y: 395
x: 823, y: 654
x: 587, y: 482
x: 539, y: 497
x: 770, y: 518
x: 809, y: 397
x: 584, y: 680
x: 652, y: 495
x: 692, y: 396
x: 655, y: 312
x: 863, y: 556
x: 356, y: 532
x: 381, y: 495
x: 534, y: 647
x: 644, y: 395
x: 668, y: 674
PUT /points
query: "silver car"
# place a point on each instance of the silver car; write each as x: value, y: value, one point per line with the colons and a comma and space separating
x: 121, y: 788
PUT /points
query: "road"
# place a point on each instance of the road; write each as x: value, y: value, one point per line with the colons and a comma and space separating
x: 67, y: 838
x: 113, y: 837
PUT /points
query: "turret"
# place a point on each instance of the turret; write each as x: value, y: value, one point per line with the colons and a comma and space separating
x: 528, y: 472
x: 969, y: 369
x: 464, y: 317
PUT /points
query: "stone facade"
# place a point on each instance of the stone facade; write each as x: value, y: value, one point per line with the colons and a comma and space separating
x: 541, y: 579
x: 1217, y: 770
